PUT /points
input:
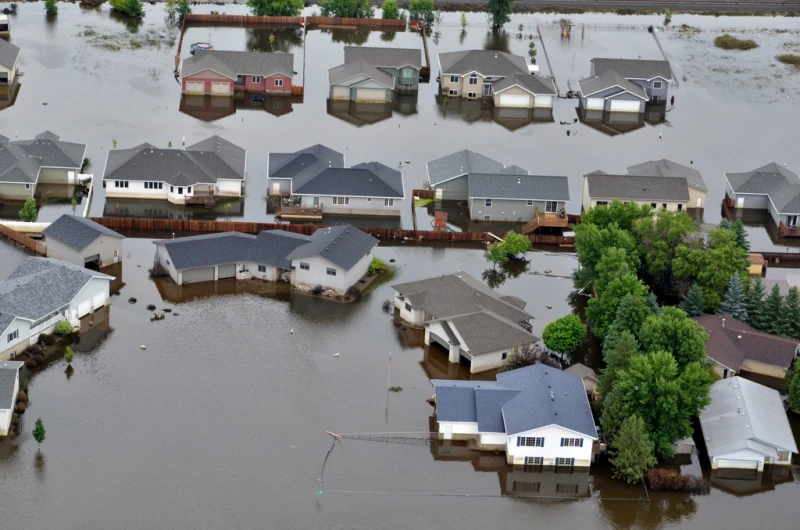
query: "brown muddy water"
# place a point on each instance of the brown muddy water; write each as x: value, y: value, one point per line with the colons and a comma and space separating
x: 220, y: 422
x: 734, y: 110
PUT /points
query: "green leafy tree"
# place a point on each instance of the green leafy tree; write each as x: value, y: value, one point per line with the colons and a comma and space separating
x: 499, y: 11
x: 346, y: 8
x: 185, y: 8
x: 674, y: 332
x: 496, y: 254
x: 389, y: 10
x: 693, y: 303
x: 276, y: 8
x: 564, y: 334
x: 39, y: 434
x: 602, y: 311
x: 613, y: 263
x: 51, y: 7
x: 422, y: 10
x: 773, y: 306
x: 592, y: 242
x: 789, y: 322
x: 755, y: 303
x: 735, y: 301
x: 617, y: 357
x: 68, y: 354
x: 29, y: 213
x: 793, y: 378
x: 129, y: 8
x: 632, y: 451
x: 622, y: 215
x: 658, y: 238
x: 63, y: 328
x: 464, y: 23
x: 515, y: 244
x: 632, y: 312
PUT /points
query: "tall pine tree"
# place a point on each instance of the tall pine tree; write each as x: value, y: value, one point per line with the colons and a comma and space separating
x: 773, y: 306
x: 735, y: 301
x: 617, y: 358
x: 741, y: 235
x: 755, y: 303
x: 789, y: 324
x: 693, y: 303
x: 632, y: 451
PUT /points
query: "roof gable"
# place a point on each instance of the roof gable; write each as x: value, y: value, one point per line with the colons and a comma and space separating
x: 460, y: 163
x: 233, y: 63
x: 77, y: 232
x: 484, y: 62
x: 634, y: 68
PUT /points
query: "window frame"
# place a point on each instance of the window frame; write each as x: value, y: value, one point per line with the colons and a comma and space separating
x: 330, y: 271
x: 548, y: 204
x: 262, y: 268
x: 564, y: 462
x: 487, y: 203
x: 453, y: 92
x: 472, y: 95
x: 305, y: 266
x: 571, y: 442
x: 13, y: 335
x: 341, y: 201
x: 388, y: 203
x: 454, y: 79
x: 409, y: 308
x: 530, y: 441
x: 473, y: 79
x: 529, y: 202
x: 659, y: 86
x: 255, y: 79
x: 279, y: 82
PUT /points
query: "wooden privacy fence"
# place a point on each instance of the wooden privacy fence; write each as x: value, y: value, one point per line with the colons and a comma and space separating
x: 27, y: 242
x: 424, y: 194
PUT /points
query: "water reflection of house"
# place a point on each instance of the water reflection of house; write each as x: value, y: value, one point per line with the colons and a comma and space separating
x: 484, y: 110
x: 167, y: 210
x: 743, y: 482
x: 210, y: 108
x: 515, y: 118
x: 361, y: 114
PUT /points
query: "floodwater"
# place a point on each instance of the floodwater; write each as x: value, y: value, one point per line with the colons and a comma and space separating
x: 220, y: 422
x: 734, y: 111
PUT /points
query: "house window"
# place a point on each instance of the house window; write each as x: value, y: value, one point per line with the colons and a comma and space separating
x: 172, y: 189
x: 657, y: 84
x: 503, y: 357
x: 256, y: 79
x: 304, y: 266
x: 13, y: 335
x: 120, y: 183
x: 601, y: 203
x: 572, y: 442
x: 341, y: 200
x: 180, y: 190
x: 680, y: 207
x: 472, y: 95
x: 550, y: 206
x: 154, y: 185
x: 664, y: 206
x: 653, y: 205
x: 369, y: 199
x: 791, y: 220
x: 487, y: 217
x: 487, y: 203
x: 534, y: 460
x: 565, y: 461
x: 408, y: 307
x: 523, y: 441
x: 262, y: 268
x: 526, y: 487
x: 454, y: 79
x: 388, y: 202
x: 331, y: 271
x: 279, y: 82
x: 278, y: 105
x: 189, y: 190
x: 407, y: 72
x: 473, y: 79
x: 454, y: 92
x: 27, y: 186
x: 567, y: 488
x: 529, y: 203
x: 783, y: 456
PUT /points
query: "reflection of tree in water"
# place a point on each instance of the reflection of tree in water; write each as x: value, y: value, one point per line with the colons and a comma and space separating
x: 496, y: 40
x: 346, y: 36
x: 668, y: 508
x: 462, y: 36
x: 286, y: 40
x: 494, y: 278
x: 131, y: 24
x: 514, y: 268
x: 388, y: 36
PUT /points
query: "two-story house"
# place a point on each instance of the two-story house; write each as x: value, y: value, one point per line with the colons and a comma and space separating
x: 373, y: 74
x: 624, y: 85
x: 224, y: 73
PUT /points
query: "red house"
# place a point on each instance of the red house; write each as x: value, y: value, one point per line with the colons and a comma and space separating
x: 223, y: 73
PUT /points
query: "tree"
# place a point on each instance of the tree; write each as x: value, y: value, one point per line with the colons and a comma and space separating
x: 617, y: 355
x: 773, y: 306
x: 735, y: 301
x: 793, y: 378
x: 184, y: 8
x: 741, y: 235
x: 631, y: 451
x: 592, y: 242
x: 499, y: 11
x: 422, y: 10
x: 532, y: 52
x: 129, y: 8
x: 346, y: 8
x: 51, y: 7
x: 658, y: 238
x: 63, y: 328
x: 789, y: 322
x: 463, y: 21
x: 171, y: 9
x: 496, y: 254
x: 622, y: 215
x: 39, y: 432
x: 528, y: 355
x: 674, y: 332
x: 29, y: 213
x: 515, y: 244
x: 755, y: 303
x: 613, y: 263
x: 275, y: 8
x: 602, y: 311
x: 693, y: 303
x: 632, y: 312
x: 68, y: 355
x: 564, y: 334
x: 389, y: 10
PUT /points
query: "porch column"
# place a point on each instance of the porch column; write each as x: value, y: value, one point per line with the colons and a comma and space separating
x: 453, y: 358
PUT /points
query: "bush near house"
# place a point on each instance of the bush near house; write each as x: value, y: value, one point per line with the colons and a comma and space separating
x: 729, y: 42
x: 63, y: 328
x: 29, y: 213
x: 672, y: 480
x: 377, y: 267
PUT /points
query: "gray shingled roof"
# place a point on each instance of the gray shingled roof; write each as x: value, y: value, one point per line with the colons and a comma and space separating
x: 359, y: 66
x: 363, y: 180
x: 781, y: 185
x: 609, y: 79
x: 634, y: 68
x: 745, y: 415
x: 602, y: 186
x: 8, y: 54
x: 532, y: 83
x: 521, y: 187
x: 272, y: 246
x: 487, y: 332
x: 521, y: 400
x: 668, y: 168
x: 485, y: 62
x: 208, y: 249
x: 76, y: 232
x: 301, y: 166
x: 385, y: 57
x: 232, y: 64
x: 20, y: 161
x: 341, y: 245
x: 460, y: 163
x: 9, y: 371
x: 202, y: 163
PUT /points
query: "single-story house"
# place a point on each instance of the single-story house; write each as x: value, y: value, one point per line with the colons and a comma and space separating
x: 223, y: 73
x: 589, y: 378
x: 669, y: 169
x: 624, y: 85
x: 9, y: 60
x: 371, y: 74
x: 538, y: 415
x: 335, y: 258
x: 466, y: 318
x: 82, y: 242
x: 772, y: 188
x: 44, y: 160
x: 201, y: 172
x: 745, y: 426
x: 735, y: 346
x: 600, y: 188
x: 518, y: 198
x: 41, y: 292
x: 9, y: 388
x: 316, y: 178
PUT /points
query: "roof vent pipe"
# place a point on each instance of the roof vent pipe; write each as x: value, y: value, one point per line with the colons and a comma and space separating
x: 723, y: 322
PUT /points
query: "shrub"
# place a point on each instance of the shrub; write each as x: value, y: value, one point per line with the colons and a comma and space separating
x: 387, y: 305
x: 390, y: 10
x: 317, y: 290
x: 34, y: 350
x: 792, y: 60
x: 672, y: 480
x: 422, y: 10
x: 20, y: 408
x: 527, y: 355
x: 130, y: 8
x: 47, y: 339
x: 377, y: 267
x: 29, y: 213
x: 268, y: 8
x: 22, y: 397
x: 39, y: 358
x: 729, y: 42
x: 63, y: 328
x: 346, y: 8
x: 51, y: 7
x: 354, y: 293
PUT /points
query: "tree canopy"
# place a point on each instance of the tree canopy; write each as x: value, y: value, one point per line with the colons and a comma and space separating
x: 672, y: 331
x: 275, y: 8
x: 499, y: 11
x: 602, y: 311
x: 422, y: 10
x: 389, y: 10
x: 515, y: 244
x: 129, y: 8
x: 564, y: 334
x: 658, y: 238
x: 615, y: 212
x: 632, y: 451
x: 592, y: 242
x: 693, y: 303
x: 346, y: 8
x: 755, y: 303
x: 617, y: 355
x: 735, y: 301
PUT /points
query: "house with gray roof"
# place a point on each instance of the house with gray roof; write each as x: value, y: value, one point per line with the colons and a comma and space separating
x: 600, y: 188
x: 538, y: 415
x: 466, y: 318
x: 198, y: 174
x: 624, y: 85
x: 525, y: 91
x: 373, y: 74
x: 9, y: 388
x: 224, y: 73
x: 46, y: 159
x: 82, y: 242
x: 668, y: 169
x: 773, y: 188
x: 41, y: 292
x: 316, y: 178
x: 335, y: 258
x: 745, y: 426
x: 9, y: 62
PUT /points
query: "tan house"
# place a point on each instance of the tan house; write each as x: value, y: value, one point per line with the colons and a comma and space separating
x: 600, y: 188
x: 669, y: 169
x: 9, y: 63
x: 589, y: 377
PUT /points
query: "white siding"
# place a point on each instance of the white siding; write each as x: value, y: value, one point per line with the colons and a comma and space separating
x: 458, y: 427
x: 166, y: 262
x: 494, y: 438
x: 737, y: 459
x: 103, y: 245
x: 415, y: 316
x: 317, y: 273
x: 372, y: 206
x: 136, y: 190
x: 486, y: 361
x: 552, y: 449
x: 270, y: 275
x: 22, y: 327
x: 230, y: 188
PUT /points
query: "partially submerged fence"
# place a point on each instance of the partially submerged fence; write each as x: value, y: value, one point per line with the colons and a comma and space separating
x: 27, y: 242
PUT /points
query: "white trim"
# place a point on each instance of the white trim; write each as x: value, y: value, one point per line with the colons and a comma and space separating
x: 211, y: 69
x: 526, y: 89
x: 348, y: 195
x: 446, y: 180
x: 553, y: 425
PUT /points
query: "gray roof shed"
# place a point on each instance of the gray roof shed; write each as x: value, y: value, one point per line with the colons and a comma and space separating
x: 76, y: 232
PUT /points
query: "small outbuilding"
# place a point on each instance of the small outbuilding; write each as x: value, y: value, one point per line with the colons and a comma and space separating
x: 82, y: 242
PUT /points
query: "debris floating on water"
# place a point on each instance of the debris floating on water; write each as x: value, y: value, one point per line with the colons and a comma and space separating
x: 336, y: 354
x: 151, y: 307
x: 132, y: 300
x: 143, y: 347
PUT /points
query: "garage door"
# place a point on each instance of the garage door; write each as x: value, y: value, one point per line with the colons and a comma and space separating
x: 624, y: 106
x: 595, y: 103
x: 543, y: 102
x: 341, y: 92
x: 201, y: 274
x: 737, y: 464
x: 377, y: 95
x: 195, y: 87
x: 221, y: 89
x: 99, y: 300
x: 84, y: 308
x: 509, y: 100
x: 227, y: 271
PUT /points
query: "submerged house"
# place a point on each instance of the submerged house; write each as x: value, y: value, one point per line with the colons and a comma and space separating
x: 371, y: 74
x: 664, y: 168
x: 316, y: 178
x: 9, y: 60
x: 82, y: 242
x: 745, y: 426
x: 44, y: 160
x: 466, y: 318
x: 335, y: 258
x: 9, y: 388
x: 538, y: 415
x: 600, y: 188
x: 624, y: 85
x: 198, y: 174
x: 223, y: 73
x: 772, y: 188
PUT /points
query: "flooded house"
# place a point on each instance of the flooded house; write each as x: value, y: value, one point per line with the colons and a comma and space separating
x: 559, y: 430
x: 772, y: 188
x: 589, y: 378
x: 9, y: 61
x: 5, y: 25
x: 82, y: 242
x: 745, y: 426
x: 46, y: 159
x: 373, y: 74
x: 668, y: 169
x: 224, y: 73
x: 600, y: 188
x: 198, y: 174
x: 41, y: 292
x: 624, y: 85
x: 9, y: 388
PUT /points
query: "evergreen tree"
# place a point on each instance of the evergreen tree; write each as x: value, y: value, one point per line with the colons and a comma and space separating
x: 793, y: 377
x: 632, y: 451
x: 789, y: 323
x: 773, y: 306
x: 617, y: 357
x: 28, y: 212
x: 755, y: 303
x: 734, y: 303
x: 38, y: 431
x: 652, y: 302
x: 725, y: 224
x: 631, y: 314
x: 693, y: 303
x: 741, y: 235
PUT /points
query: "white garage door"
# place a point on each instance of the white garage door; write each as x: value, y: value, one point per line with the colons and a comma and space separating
x: 99, y: 300
x: 724, y: 463
x: 84, y: 308
x: 377, y: 95
x: 543, y: 101
x: 341, y: 92
x: 226, y: 271
x: 595, y: 103
x: 624, y: 106
x: 195, y: 87
x: 201, y: 274
x: 223, y: 89
x: 509, y: 100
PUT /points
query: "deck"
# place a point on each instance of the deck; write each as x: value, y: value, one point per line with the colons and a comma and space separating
x: 296, y: 212
x: 545, y: 219
x: 788, y: 231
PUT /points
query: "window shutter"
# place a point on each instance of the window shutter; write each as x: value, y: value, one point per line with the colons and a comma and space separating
x: 581, y: 444
x: 562, y: 442
x: 519, y: 440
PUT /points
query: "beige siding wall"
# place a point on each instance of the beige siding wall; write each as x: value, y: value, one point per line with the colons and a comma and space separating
x: 15, y: 192
x: 763, y: 368
x: 12, y: 72
x: 462, y: 86
x: 514, y: 91
x: 54, y: 176
x: 695, y: 194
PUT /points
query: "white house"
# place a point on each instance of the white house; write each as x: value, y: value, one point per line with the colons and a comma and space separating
x: 745, y: 426
x: 82, y: 242
x: 538, y: 415
x: 9, y: 388
x: 41, y: 292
